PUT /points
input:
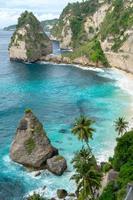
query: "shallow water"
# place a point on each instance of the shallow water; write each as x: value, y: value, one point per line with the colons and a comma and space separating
x: 57, y: 94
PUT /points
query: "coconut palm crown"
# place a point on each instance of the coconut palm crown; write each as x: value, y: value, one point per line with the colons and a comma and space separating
x: 121, y: 126
x: 82, y: 128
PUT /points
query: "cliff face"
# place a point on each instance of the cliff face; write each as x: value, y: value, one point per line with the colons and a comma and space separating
x: 116, y: 35
x: 29, y: 42
x: 79, y: 22
x: 110, y: 21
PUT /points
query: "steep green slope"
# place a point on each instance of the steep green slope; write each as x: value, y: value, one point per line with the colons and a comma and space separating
x: 92, y: 51
x: 75, y: 13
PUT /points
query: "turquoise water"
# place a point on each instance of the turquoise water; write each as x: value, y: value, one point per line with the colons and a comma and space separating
x: 57, y: 94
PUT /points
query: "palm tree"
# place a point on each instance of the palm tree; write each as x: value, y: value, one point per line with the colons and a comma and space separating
x: 87, y: 177
x: 82, y: 129
x: 121, y: 126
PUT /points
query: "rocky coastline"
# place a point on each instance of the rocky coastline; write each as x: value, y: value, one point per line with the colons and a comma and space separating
x: 60, y: 59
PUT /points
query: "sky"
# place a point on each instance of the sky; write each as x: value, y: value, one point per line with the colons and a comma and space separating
x: 10, y: 10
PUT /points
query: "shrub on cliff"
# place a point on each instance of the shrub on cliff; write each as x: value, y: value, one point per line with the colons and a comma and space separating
x: 117, y: 21
x: 92, y: 50
x: 123, y: 163
x: 36, y: 197
x: 109, y: 192
x: 123, y: 151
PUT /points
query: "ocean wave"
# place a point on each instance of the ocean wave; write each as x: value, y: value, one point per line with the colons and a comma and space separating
x: 74, y: 65
x: 122, y: 79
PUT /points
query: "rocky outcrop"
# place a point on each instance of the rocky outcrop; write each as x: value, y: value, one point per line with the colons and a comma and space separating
x: 31, y: 147
x: 56, y: 59
x: 83, y: 60
x: 61, y: 193
x: 29, y: 42
x: 57, y: 165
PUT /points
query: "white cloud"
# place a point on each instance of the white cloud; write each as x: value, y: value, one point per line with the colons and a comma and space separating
x: 43, y: 9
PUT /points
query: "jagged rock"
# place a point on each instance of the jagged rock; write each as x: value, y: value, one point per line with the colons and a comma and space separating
x: 31, y: 146
x: 29, y: 42
x: 57, y: 165
x: 61, y: 193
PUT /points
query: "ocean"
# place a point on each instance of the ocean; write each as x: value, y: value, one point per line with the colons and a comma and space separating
x: 57, y: 94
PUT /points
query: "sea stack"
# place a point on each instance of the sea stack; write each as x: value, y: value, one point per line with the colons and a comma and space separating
x: 31, y: 147
x: 29, y: 42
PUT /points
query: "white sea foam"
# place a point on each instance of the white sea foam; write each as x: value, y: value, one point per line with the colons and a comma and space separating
x: 123, y: 79
x: 74, y: 65
x: 89, y: 68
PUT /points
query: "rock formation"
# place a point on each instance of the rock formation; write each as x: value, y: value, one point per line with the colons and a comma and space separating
x: 31, y: 146
x: 29, y: 42
x: 57, y: 165
x: 61, y: 193
x: 111, y: 22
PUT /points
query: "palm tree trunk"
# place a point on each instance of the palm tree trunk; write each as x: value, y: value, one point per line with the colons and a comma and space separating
x: 88, y: 146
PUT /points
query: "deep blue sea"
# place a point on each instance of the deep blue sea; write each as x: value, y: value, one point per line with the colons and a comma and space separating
x: 56, y: 94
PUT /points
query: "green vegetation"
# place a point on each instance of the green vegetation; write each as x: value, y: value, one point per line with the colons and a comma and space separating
x: 47, y: 25
x: 106, y: 167
x: 28, y: 110
x: 38, y: 128
x: 35, y: 39
x: 123, y: 163
x: 30, y: 145
x: 87, y: 176
x: 77, y: 13
x: 116, y: 22
x: 109, y: 192
x: 36, y: 197
x: 92, y: 50
x: 82, y: 128
x: 121, y: 126
x: 123, y: 151
x: 28, y: 18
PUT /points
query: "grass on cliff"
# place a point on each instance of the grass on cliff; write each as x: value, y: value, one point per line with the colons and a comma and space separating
x: 76, y: 13
x: 92, y: 50
x: 30, y: 145
x: 117, y: 21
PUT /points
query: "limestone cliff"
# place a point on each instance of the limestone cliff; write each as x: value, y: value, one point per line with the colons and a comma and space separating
x: 29, y: 42
x: 110, y: 21
x: 116, y: 35
x: 79, y: 22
